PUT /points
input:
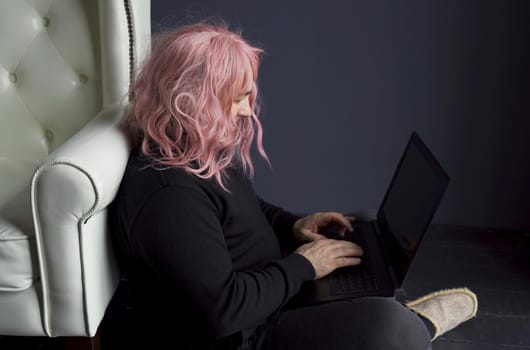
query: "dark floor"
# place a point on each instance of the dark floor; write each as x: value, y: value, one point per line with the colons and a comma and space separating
x: 495, y: 264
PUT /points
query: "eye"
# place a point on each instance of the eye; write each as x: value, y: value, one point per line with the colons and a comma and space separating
x: 242, y: 97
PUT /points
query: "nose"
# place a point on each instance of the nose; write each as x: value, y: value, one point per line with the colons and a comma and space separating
x: 244, y: 108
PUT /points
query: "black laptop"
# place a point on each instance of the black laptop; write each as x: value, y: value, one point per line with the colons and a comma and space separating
x: 391, y: 241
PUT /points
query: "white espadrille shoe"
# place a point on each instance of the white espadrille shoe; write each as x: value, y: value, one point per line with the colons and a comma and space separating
x: 447, y: 308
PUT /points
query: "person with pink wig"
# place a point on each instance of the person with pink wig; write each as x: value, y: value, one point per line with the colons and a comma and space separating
x: 212, y: 264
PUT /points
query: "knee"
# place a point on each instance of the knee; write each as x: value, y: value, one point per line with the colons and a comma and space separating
x: 394, y: 326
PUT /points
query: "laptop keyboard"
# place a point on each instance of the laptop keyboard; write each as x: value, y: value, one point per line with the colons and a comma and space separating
x: 351, y: 278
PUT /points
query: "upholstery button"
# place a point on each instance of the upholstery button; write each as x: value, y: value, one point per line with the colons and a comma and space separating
x: 13, y: 78
x: 83, y: 78
x: 49, y: 135
x: 46, y: 22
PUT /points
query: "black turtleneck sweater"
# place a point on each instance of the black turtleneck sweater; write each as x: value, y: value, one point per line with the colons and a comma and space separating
x: 206, y: 264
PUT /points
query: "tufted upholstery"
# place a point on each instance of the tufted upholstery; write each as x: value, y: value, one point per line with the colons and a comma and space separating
x: 64, y: 73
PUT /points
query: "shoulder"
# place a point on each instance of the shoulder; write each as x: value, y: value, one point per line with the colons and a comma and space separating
x: 144, y: 179
x: 144, y: 173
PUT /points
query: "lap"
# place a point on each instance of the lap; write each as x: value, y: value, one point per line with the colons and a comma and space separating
x: 364, y: 323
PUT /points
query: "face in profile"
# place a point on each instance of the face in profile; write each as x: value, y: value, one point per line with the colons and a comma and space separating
x: 241, y: 107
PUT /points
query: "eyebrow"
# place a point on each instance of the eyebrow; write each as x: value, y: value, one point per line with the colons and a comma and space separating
x: 244, y: 94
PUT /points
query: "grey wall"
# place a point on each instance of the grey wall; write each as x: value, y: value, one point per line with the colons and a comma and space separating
x: 345, y: 82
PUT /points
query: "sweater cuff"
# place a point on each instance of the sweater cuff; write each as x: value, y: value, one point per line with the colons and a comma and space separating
x: 302, y: 266
x: 296, y: 270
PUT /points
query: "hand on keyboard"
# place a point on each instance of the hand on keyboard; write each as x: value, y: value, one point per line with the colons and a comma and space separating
x: 332, y: 232
x: 327, y: 255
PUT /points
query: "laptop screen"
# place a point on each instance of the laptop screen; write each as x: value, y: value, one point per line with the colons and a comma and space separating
x: 410, y: 204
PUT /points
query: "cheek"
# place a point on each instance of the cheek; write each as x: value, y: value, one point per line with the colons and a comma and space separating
x: 233, y: 110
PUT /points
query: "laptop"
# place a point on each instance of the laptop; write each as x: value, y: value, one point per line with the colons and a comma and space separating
x: 389, y: 242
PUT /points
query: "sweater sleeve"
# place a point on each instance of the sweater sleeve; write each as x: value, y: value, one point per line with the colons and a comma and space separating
x: 179, y: 236
x: 282, y: 223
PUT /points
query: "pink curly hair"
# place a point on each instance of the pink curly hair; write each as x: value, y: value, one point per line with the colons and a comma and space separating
x: 181, y: 101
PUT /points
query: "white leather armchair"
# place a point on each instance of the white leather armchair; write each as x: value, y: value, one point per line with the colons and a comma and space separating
x: 65, y: 68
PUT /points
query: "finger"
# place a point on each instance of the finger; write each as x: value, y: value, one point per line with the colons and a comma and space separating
x: 342, y: 262
x: 317, y: 237
x: 334, y: 217
x: 338, y: 246
x: 342, y: 243
x: 312, y: 236
x: 345, y: 222
x: 350, y: 217
x: 345, y: 251
x: 350, y: 220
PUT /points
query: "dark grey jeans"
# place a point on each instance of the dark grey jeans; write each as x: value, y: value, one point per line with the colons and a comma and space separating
x: 370, y: 323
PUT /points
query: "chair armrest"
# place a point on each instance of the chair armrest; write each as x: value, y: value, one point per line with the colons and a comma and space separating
x: 69, y: 195
x: 99, y: 152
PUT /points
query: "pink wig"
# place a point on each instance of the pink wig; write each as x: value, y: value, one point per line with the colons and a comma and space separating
x: 182, y: 97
